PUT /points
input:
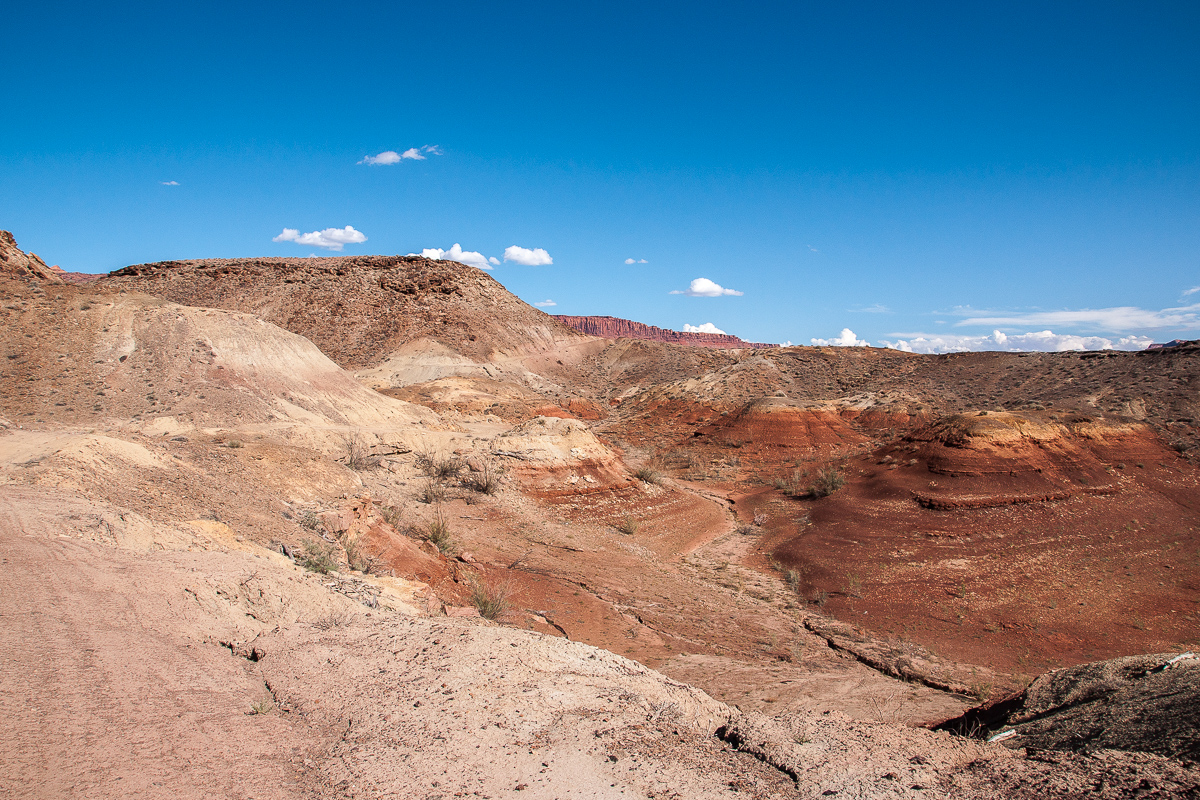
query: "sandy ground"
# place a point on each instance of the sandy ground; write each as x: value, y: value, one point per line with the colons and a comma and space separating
x: 140, y: 661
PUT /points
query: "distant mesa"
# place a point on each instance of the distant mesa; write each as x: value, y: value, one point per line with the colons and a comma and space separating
x: 1173, y: 343
x: 72, y: 277
x: 616, y: 328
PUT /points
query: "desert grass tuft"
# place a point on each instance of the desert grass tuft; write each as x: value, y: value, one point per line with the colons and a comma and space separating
x: 438, y: 532
x: 492, y: 597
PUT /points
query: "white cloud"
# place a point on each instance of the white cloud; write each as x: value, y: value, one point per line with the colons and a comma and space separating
x: 545, y: 304
x: 703, y: 287
x: 878, y: 308
x: 537, y: 257
x: 636, y: 261
x: 707, y: 327
x: 493, y: 260
x: 810, y: 247
x: 788, y: 343
x: 1034, y: 341
x: 1117, y: 319
x: 383, y: 159
x: 456, y: 253
x: 176, y: 183
x: 1192, y: 290
x: 329, y: 239
x: 847, y: 339
x: 392, y: 157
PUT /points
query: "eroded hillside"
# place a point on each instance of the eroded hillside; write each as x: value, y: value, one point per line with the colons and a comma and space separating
x: 312, y: 557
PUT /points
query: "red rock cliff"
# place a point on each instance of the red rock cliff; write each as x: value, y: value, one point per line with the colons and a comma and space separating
x: 615, y: 328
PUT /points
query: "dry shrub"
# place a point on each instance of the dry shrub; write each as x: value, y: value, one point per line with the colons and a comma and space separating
x: 318, y: 557
x: 431, y: 492
x: 438, y: 532
x: 492, y: 596
x: 486, y: 481
x: 391, y: 515
x: 648, y: 475
x: 356, y: 453
x: 828, y: 481
x: 439, y: 465
x: 356, y: 555
x: 629, y: 526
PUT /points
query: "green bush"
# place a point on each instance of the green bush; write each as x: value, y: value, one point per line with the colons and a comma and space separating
x: 318, y: 558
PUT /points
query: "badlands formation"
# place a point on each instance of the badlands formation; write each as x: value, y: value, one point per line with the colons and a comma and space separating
x: 373, y: 527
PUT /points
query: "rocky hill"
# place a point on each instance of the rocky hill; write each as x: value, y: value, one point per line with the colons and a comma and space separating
x: 360, y: 309
x: 616, y: 328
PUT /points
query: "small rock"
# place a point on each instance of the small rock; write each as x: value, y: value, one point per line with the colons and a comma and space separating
x: 337, y: 521
x: 475, y: 464
x: 466, y: 557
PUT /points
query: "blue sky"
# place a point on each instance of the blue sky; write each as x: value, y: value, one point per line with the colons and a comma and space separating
x: 936, y: 176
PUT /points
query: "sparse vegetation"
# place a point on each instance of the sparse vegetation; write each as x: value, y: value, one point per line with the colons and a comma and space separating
x: 334, y: 619
x: 356, y: 453
x: 492, y: 597
x: 318, y: 557
x: 828, y: 481
x: 264, y: 706
x: 629, y: 526
x: 234, y: 444
x: 308, y: 520
x: 981, y: 691
x: 802, y: 484
x: 391, y: 515
x: 438, y: 465
x: 356, y: 555
x: 431, y: 492
x: 486, y: 481
x: 648, y: 475
x: 438, y: 532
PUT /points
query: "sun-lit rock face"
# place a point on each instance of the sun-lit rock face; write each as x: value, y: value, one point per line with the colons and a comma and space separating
x: 553, y: 456
x: 995, y: 458
x: 777, y: 422
x: 15, y: 263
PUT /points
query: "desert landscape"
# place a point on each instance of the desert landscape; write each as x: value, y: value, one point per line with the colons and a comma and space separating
x: 371, y: 526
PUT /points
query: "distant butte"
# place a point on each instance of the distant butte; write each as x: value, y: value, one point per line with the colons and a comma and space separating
x: 616, y: 328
